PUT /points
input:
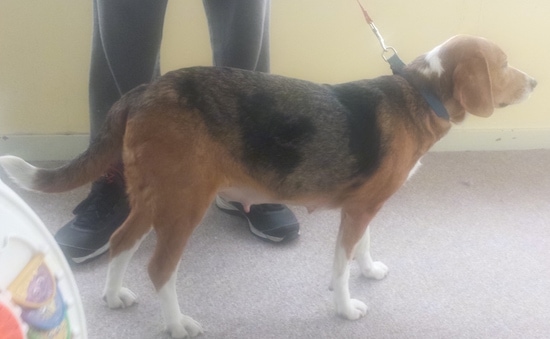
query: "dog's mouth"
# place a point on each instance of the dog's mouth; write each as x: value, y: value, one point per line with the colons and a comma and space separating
x: 520, y: 96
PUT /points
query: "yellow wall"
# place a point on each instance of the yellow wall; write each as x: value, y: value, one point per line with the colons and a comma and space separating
x: 45, y: 48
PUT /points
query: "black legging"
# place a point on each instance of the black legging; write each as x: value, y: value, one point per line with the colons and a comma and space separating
x: 127, y: 35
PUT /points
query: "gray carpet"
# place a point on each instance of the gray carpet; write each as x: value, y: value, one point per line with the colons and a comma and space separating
x: 467, y: 242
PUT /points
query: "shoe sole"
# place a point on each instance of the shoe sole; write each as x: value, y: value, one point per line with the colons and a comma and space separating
x: 93, y: 255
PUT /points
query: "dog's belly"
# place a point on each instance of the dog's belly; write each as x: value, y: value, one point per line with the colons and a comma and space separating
x: 245, y: 196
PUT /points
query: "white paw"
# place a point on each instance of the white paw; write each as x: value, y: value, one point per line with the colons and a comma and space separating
x: 353, y: 310
x: 377, y: 271
x: 120, y: 299
x: 186, y: 327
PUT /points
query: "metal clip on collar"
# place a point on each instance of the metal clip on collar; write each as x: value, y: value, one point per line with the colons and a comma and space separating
x: 388, y: 53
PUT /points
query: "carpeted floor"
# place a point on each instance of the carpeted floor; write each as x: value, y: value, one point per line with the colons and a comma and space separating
x: 467, y: 241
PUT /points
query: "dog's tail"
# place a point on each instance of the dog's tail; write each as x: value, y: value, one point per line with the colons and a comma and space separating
x: 104, y: 150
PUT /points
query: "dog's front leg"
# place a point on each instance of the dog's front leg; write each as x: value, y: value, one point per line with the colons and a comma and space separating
x: 369, y: 268
x: 345, y: 306
x: 353, y: 235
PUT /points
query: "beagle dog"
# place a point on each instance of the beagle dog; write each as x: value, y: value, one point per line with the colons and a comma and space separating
x: 259, y: 138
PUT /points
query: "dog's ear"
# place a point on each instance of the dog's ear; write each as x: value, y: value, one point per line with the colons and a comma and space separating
x: 472, y: 86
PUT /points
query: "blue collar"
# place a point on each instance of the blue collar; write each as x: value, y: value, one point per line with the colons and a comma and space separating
x: 436, y: 105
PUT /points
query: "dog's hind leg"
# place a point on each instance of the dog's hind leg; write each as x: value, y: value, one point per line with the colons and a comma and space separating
x: 178, y: 324
x: 177, y: 215
x: 123, y: 244
x: 353, y: 227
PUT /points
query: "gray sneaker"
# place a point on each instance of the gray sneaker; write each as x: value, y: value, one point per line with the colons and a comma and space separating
x: 271, y: 222
x: 97, y: 217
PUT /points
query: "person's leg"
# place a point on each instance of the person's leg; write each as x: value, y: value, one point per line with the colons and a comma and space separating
x: 239, y: 35
x: 125, y: 50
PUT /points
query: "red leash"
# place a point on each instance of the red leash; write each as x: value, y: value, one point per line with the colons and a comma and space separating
x: 370, y: 22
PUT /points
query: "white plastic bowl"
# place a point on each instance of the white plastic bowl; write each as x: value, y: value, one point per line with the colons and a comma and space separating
x: 22, y: 235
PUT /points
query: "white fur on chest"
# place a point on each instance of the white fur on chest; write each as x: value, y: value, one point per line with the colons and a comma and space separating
x: 414, y: 169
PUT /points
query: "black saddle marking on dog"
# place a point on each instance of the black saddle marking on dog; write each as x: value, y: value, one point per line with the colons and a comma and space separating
x: 365, y: 143
x: 189, y: 93
x: 204, y: 89
x: 272, y: 139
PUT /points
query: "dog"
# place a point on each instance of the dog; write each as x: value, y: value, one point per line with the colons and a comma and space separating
x: 258, y: 138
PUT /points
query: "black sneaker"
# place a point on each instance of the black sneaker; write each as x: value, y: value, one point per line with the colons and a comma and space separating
x: 272, y: 222
x: 97, y: 217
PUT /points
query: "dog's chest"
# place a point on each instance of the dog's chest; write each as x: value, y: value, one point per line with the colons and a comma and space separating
x: 414, y: 169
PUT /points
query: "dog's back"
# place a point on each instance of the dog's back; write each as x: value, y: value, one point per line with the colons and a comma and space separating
x: 305, y: 138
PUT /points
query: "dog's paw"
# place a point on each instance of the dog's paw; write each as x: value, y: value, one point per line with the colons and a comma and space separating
x: 353, y: 310
x: 120, y: 299
x: 186, y: 327
x: 377, y: 271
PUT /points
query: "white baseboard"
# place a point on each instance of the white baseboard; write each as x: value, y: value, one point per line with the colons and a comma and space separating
x: 44, y: 147
x: 65, y: 147
x: 494, y: 140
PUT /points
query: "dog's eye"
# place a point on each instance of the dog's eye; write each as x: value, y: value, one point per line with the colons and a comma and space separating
x: 505, y: 64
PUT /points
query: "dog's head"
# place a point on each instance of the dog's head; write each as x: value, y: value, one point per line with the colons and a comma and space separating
x: 472, y: 75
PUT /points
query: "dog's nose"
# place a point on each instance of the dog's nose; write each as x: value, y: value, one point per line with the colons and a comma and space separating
x: 533, y: 83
